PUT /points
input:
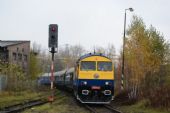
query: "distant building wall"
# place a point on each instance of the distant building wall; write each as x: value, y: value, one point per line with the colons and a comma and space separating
x: 20, y: 54
x: 16, y: 52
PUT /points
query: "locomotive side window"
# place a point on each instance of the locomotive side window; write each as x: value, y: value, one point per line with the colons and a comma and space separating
x: 88, y: 66
x: 104, y: 66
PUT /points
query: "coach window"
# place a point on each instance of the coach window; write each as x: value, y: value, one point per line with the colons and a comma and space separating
x: 88, y: 66
x: 104, y: 66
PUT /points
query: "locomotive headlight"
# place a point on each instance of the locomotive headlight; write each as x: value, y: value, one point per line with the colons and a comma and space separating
x: 85, y: 83
x: 106, y: 83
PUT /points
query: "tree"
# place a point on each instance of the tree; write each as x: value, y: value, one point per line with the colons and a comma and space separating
x: 67, y: 56
x: 145, y: 50
x: 76, y: 52
x: 14, y: 75
x: 36, y: 48
x: 99, y: 49
x: 110, y: 51
x: 35, y: 68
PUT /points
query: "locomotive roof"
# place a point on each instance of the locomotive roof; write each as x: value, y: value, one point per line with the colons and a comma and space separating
x: 92, y: 54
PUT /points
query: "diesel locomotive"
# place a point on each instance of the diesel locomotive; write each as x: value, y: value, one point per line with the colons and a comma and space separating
x: 94, y: 79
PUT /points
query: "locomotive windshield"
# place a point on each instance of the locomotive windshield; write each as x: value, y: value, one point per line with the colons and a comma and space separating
x: 104, y: 66
x: 88, y: 66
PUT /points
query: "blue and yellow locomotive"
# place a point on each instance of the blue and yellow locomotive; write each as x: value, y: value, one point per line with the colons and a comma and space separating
x: 93, y: 81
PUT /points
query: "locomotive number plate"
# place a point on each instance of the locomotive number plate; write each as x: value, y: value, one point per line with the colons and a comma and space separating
x: 96, y: 87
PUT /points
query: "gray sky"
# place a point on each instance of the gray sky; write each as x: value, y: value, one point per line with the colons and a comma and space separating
x: 86, y: 22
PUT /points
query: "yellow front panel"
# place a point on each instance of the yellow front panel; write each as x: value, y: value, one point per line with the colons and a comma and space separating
x: 91, y: 75
x: 107, y: 75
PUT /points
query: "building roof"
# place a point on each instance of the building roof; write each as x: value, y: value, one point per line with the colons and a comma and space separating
x: 5, y: 43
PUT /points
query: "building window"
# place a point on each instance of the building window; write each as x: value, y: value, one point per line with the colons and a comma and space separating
x: 22, y: 49
x: 25, y: 57
x: 14, y: 56
x: 19, y: 56
x: 17, y: 49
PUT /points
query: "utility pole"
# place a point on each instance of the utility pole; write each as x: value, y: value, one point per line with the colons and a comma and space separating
x: 123, y: 57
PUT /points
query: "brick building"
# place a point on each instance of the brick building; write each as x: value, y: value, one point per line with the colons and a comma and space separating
x: 15, y: 52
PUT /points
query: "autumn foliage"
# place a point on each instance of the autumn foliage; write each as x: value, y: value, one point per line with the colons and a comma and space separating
x: 146, y: 53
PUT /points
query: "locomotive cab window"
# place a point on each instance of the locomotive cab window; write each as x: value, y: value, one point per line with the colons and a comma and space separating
x: 88, y: 66
x: 104, y: 66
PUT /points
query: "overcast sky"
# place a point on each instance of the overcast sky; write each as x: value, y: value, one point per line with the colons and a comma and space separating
x: 86, y: 22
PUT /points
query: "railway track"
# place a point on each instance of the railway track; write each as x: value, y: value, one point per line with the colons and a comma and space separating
x: 101, y: 108
x: 25, y: 104
x: 20, y: 107
x: 94, y: 108
x: 114, y: 110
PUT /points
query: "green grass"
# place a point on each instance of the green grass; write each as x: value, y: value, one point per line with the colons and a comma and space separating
x: 11, y: 98
x: 140, y: 107
x: 62, y: 104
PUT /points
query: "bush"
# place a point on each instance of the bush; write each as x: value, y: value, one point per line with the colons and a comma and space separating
x: 156, y: 89
x: 160, y: 97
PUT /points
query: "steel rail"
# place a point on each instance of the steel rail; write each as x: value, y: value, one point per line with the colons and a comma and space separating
x: 91, y: 109
x: 19, y: 107
x: 114, y: 110
x: 104, y: 108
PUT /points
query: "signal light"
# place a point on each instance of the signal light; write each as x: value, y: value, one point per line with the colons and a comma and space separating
x: 53, y: 36
x: 53, y: 29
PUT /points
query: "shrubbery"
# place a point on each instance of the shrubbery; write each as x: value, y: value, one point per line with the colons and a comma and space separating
x: 17, y: 80
x: 146, y: 64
